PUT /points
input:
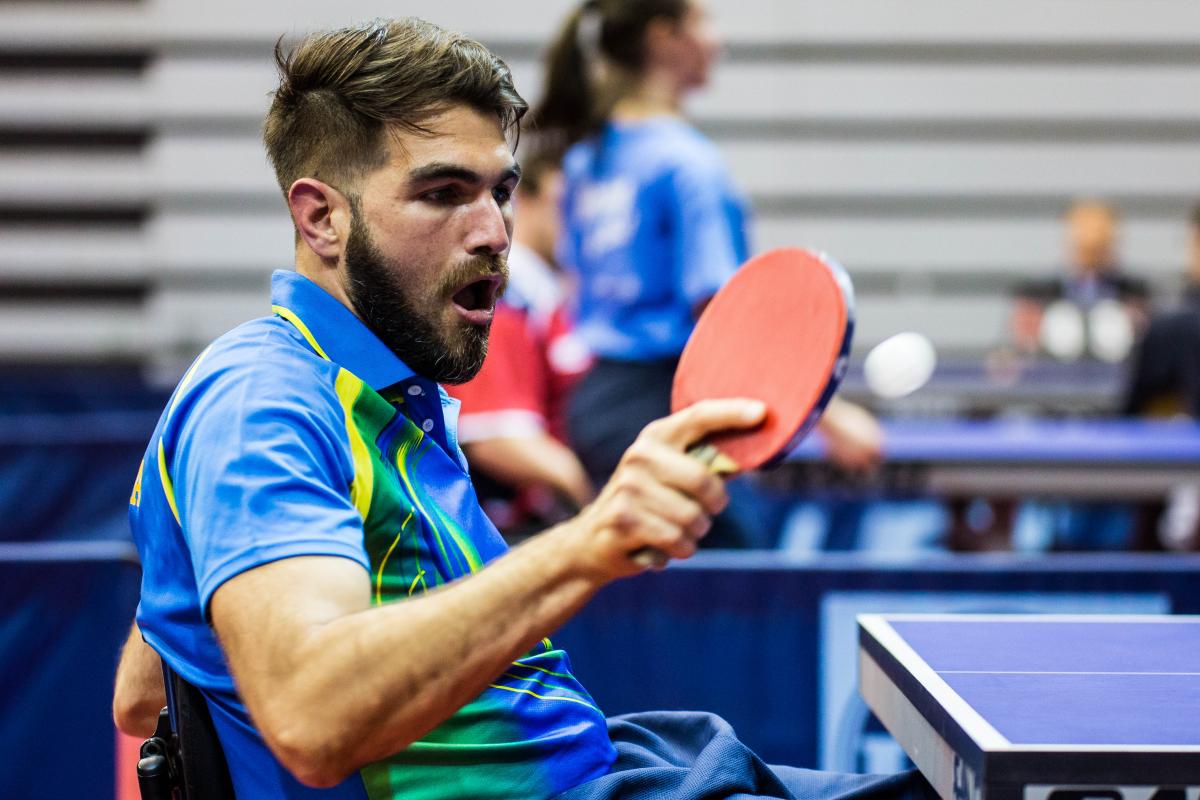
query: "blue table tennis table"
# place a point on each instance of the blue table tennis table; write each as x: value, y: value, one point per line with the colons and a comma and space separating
x: 1024, y: 707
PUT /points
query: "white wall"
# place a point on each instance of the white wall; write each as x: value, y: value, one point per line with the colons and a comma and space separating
x: 929, y: 144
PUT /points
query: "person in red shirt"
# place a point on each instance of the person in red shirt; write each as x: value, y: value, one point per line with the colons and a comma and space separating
x: 511, y: 425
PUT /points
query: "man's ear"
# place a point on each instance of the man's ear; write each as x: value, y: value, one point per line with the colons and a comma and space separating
x: 322, y: 216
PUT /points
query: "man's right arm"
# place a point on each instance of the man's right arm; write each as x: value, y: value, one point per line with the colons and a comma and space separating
x: 334, y: 683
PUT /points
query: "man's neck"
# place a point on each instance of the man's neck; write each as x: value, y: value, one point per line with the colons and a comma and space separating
x: 324, y: 274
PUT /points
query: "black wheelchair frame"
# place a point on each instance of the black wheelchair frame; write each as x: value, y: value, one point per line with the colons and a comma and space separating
x: 183, y: 759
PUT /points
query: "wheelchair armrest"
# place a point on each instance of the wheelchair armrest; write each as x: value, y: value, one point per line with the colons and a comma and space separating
x: 158, y: 769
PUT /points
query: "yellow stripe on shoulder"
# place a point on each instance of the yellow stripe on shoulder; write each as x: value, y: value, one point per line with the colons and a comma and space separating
x: 186, y: 380
x: 165, y: 478
x: 348, y: 387
x: 135, y: 498
x: 164, y: 474
x: 291, y: 317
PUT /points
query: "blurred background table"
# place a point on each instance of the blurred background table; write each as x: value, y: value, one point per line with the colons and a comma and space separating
x: 1002, y: 385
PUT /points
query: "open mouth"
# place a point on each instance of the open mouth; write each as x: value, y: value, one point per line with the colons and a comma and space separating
x: 477, y: 299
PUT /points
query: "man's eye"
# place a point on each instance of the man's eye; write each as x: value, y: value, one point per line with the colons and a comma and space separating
x: 447, y: 195
x: 502, y: 194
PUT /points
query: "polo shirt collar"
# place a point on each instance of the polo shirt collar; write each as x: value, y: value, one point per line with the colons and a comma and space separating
x: 343, y: 337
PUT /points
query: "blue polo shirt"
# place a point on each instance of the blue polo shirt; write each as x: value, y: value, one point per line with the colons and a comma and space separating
x: 653, y: 226
x: 302, y: 434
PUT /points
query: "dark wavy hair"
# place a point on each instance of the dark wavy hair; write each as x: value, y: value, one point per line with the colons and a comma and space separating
x: 340, y: 91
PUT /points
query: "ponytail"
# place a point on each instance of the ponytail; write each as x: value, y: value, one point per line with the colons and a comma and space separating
x: 589, y: 65
x: 567, y: 110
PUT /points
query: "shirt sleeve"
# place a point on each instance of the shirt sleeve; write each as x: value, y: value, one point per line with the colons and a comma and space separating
x: 709, y: 240
x: 508, y: 396
x: 261, y: 470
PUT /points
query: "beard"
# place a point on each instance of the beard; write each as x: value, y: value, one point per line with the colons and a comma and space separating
x: 412, y: 327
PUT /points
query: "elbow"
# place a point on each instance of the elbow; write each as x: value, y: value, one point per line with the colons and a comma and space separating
x: 316, y: 777
x: 135, y: 717
x: 313, y: 755
x: 321, y: 751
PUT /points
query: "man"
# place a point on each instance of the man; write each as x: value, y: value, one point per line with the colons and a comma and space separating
x: 1092, y: 276
x: 1165, y: 376
x: 315, y: 561
x: 512, y: 424
x: 1164, y: 382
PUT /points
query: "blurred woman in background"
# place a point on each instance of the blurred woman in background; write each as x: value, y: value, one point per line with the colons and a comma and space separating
x: 653, y: 224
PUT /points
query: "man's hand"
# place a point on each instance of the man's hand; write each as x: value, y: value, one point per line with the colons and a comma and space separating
x: 659, y: 497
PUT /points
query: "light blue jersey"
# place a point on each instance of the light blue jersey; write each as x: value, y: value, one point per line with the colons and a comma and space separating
x: 302, y: 434
x: 653, y: 226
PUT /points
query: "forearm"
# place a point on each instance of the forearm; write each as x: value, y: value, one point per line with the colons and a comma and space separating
x: 138, y: 694
x: 537, y: 460
x: 331, y: 686
x: 462, y: 636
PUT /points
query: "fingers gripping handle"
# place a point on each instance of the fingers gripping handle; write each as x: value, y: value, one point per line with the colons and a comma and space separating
x: 719, y: 464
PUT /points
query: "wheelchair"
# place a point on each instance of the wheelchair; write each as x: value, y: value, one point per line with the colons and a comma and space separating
x: 183, y: 759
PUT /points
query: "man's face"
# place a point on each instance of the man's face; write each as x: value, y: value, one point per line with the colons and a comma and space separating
x: 1092, y: 233
x: 425, y: 257
x: 1194, y: 259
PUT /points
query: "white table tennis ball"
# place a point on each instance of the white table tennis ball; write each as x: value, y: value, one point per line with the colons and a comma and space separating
x: 899, y: 365
x: 1110, y: 331
x: 1062, y: 333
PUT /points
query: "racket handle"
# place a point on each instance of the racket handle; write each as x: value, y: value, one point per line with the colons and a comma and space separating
x: 718, y: 464
x: 649, y: 558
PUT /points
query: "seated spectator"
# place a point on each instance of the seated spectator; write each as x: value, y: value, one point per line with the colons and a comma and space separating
x: 1093, y: 275
x: 1165, y: 375
x: 1164, y: 381
x: 511, y: 424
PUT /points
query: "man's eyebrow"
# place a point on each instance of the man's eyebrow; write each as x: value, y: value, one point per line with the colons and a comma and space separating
x: 446, y: 171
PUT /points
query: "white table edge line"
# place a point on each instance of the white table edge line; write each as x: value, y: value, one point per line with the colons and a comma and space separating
x: 972, y: 723
x: 1056, y: 672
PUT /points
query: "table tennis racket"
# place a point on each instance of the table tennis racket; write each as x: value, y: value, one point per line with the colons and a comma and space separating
x: 779, y: 331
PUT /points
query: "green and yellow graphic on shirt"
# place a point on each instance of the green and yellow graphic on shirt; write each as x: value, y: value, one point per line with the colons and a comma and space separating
x: 534, y: 731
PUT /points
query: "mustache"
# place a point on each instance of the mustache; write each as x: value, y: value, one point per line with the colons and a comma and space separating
x: 476, y: 268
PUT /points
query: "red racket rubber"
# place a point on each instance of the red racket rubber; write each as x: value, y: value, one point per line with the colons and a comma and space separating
x: 779, y: 331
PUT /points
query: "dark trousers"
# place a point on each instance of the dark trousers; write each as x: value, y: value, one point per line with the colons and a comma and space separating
x: 693, y: 755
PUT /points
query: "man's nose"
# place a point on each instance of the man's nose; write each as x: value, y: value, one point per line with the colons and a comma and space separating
x: 488, y: 232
